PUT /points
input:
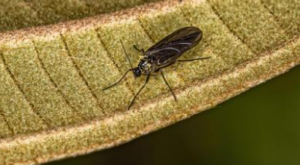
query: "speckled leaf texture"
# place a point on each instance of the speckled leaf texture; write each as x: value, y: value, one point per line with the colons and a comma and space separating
x: 56, y: 57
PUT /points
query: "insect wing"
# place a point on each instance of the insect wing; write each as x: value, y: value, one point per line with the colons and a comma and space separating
x: 174, y: 45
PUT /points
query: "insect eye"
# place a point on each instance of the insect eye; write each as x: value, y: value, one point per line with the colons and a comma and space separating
x: 137, y: 72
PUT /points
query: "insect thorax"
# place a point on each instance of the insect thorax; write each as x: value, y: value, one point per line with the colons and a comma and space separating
x: 145, y: 66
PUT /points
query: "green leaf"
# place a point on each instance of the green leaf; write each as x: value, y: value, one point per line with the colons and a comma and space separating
x: 52, y: 104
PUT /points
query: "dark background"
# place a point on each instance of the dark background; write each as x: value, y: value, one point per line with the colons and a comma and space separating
x: 258, y: 127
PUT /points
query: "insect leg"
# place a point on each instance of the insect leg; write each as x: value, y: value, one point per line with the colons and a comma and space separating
x: 201, y: 58
x: 147, y: 79
x: 140, y: 50
x: 168, y: 85
x: 118, y: 80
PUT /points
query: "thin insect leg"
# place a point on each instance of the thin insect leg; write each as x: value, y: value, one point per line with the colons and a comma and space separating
x: 118, y: 80
x: 128, y: 59
x: 140, y: 50
x: 155, y: 75
x: 168, y: 85
x: 147, y: 79
x: 201, y: 58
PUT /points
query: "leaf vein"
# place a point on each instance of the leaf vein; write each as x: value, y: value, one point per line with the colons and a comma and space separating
x: 80, y: 74
x: 113, y: 61
x: 229, y: 29
x: 53, y: 82
x: 22, y: 92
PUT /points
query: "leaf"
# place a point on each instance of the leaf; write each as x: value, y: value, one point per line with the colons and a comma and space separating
x: 52, y: 105
x: 17, y: 14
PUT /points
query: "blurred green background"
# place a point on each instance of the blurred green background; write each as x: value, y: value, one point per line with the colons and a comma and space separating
x: 260, y: 126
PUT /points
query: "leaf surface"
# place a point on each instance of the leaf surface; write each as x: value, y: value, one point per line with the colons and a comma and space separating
x: 51, y: 100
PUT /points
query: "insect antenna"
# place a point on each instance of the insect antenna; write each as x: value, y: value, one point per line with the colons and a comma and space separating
x: 128, y: 59
x: 118, y: 80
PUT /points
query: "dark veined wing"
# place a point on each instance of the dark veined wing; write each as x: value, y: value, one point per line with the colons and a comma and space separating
x: 174, y: 45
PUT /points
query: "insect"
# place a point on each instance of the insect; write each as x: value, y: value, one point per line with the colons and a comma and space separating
x: 163, y: 54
